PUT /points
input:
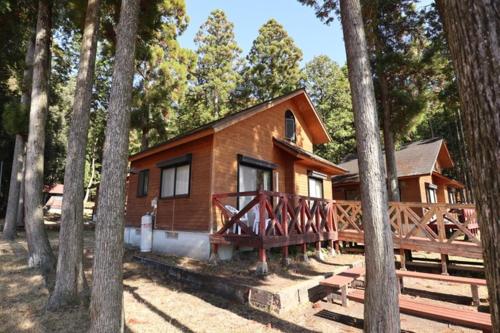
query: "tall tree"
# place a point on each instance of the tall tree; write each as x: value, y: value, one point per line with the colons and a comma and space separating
x: 218, y: 69
x: 40, y: 252
x: 162, y: 71
x: 106, y: 307
x: 17, y: 174
x: 70, y: 283
x: 472, y: 29
x: 328, y: 86
x: 394, y: 35
x: 381, y: 310
x: 273, y: 64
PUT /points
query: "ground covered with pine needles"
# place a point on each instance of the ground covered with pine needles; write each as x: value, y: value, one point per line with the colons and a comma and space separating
x: 156, y: 304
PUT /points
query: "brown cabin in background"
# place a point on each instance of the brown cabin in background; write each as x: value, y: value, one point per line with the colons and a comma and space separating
x: 268, y: 146
x: 420, y: 165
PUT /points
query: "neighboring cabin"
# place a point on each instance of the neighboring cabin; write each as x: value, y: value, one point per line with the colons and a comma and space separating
x: 420, y: 172
x: 53, y: 196
x: 268, y: 146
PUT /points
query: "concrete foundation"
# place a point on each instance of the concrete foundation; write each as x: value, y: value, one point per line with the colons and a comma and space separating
x: 180, y: 243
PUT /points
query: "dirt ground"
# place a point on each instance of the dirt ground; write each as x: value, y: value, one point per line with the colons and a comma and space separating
x: 156, y: 304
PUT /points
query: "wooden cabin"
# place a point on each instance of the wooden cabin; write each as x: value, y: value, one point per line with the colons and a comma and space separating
x: 266, y: 147
x: 420, y: 172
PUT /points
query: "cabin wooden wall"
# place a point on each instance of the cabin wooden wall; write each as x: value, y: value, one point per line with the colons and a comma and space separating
x: 254, y: 137
x: 181, y: 214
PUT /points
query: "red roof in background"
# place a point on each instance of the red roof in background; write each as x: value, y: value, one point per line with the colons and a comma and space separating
x: 54, y: 189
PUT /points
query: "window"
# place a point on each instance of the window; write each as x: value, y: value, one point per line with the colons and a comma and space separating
x: 289, y: 126
x: 253, y: 175
x: 452, y: 195
x: 142, y: 183
x: 431, y: 193
x: 175, y: 181
x: 352, y: 195
x: 315, y: 187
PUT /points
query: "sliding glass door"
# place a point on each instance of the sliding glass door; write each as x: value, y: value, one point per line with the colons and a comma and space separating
x: 252, y: 179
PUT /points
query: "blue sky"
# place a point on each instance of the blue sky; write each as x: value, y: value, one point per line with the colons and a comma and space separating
x: 310, y: 34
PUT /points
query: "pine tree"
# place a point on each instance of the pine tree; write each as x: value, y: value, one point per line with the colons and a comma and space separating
x: 40, y: 252
x: 471, y: 29
x: 106, y: 307
x: 70, y: 279
x: 328, y: 86
x: 162, y: 68
x: 218, y: 70
x: 381, y: 282
x: 273, y: 67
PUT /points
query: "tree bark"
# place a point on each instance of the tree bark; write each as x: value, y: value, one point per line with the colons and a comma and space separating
x: 381, y: 311
x: 71, y: 286
x: 20, y: 205
x: 91, y: 181
x: 107, y: 290
x: 473, y: 33
x: 16, y: 176
x: 389, y: 144
x: 40, y: 254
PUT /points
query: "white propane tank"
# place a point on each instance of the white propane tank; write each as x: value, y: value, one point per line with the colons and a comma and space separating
x: 146, y: 233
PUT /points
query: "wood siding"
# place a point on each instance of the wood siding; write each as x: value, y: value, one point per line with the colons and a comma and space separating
x: 182, y: 214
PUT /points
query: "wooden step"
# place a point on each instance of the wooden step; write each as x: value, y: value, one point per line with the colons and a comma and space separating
x: 467, y: 318
x: 336, y: 281
x: 355, y: 272
x: 440, y: 277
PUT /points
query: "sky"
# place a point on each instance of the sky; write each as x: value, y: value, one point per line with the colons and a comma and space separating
x: 311, y: 35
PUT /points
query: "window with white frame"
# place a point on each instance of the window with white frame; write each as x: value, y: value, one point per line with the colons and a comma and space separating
x: 431, y: 193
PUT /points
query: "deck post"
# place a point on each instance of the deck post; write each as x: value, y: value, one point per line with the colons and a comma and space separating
x: 444, y: 264
x: 284, y: 223
x: 303, y: 252
x: 214, y: 255
x: 319, y: 255
x: 475, y: 295
x: 402, y: 257
x: 262, y: 268
x: 331, y: 247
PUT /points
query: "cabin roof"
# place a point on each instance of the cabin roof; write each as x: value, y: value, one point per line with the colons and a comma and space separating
x: 303, y: 154
x: 413, y: 159
x: 313, y: 122
x: 54, y: 189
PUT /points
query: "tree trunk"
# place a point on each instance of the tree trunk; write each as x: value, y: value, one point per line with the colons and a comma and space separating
x: 107, y: 290
x: 381, y: 312
x: 40, y: 254
x: 9, y: 228
x: 71, y: 286
x: 16, y: 176
x: 473, y: 32
x: 389, y: 144
x: 91, y: 181
x: 20, y: 205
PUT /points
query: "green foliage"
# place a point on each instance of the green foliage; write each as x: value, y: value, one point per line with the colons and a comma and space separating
x: 162, y: 69
x: 15, y: 118
x: 217, y: 73
x: 273, y: 67
x: 328, y: 86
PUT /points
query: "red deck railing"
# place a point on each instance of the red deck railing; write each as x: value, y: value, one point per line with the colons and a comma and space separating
x: 274, y: 219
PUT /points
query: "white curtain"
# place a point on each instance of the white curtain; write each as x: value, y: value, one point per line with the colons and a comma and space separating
x: 315, y: 188
x: 167, y: 182
x: 182, y: 180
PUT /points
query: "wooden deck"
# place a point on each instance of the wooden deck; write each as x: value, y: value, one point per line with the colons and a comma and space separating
x: 285, y: 219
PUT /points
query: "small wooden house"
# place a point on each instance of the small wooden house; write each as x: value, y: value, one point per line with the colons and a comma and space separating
x: 268, y: 146
x: 420, y: 166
